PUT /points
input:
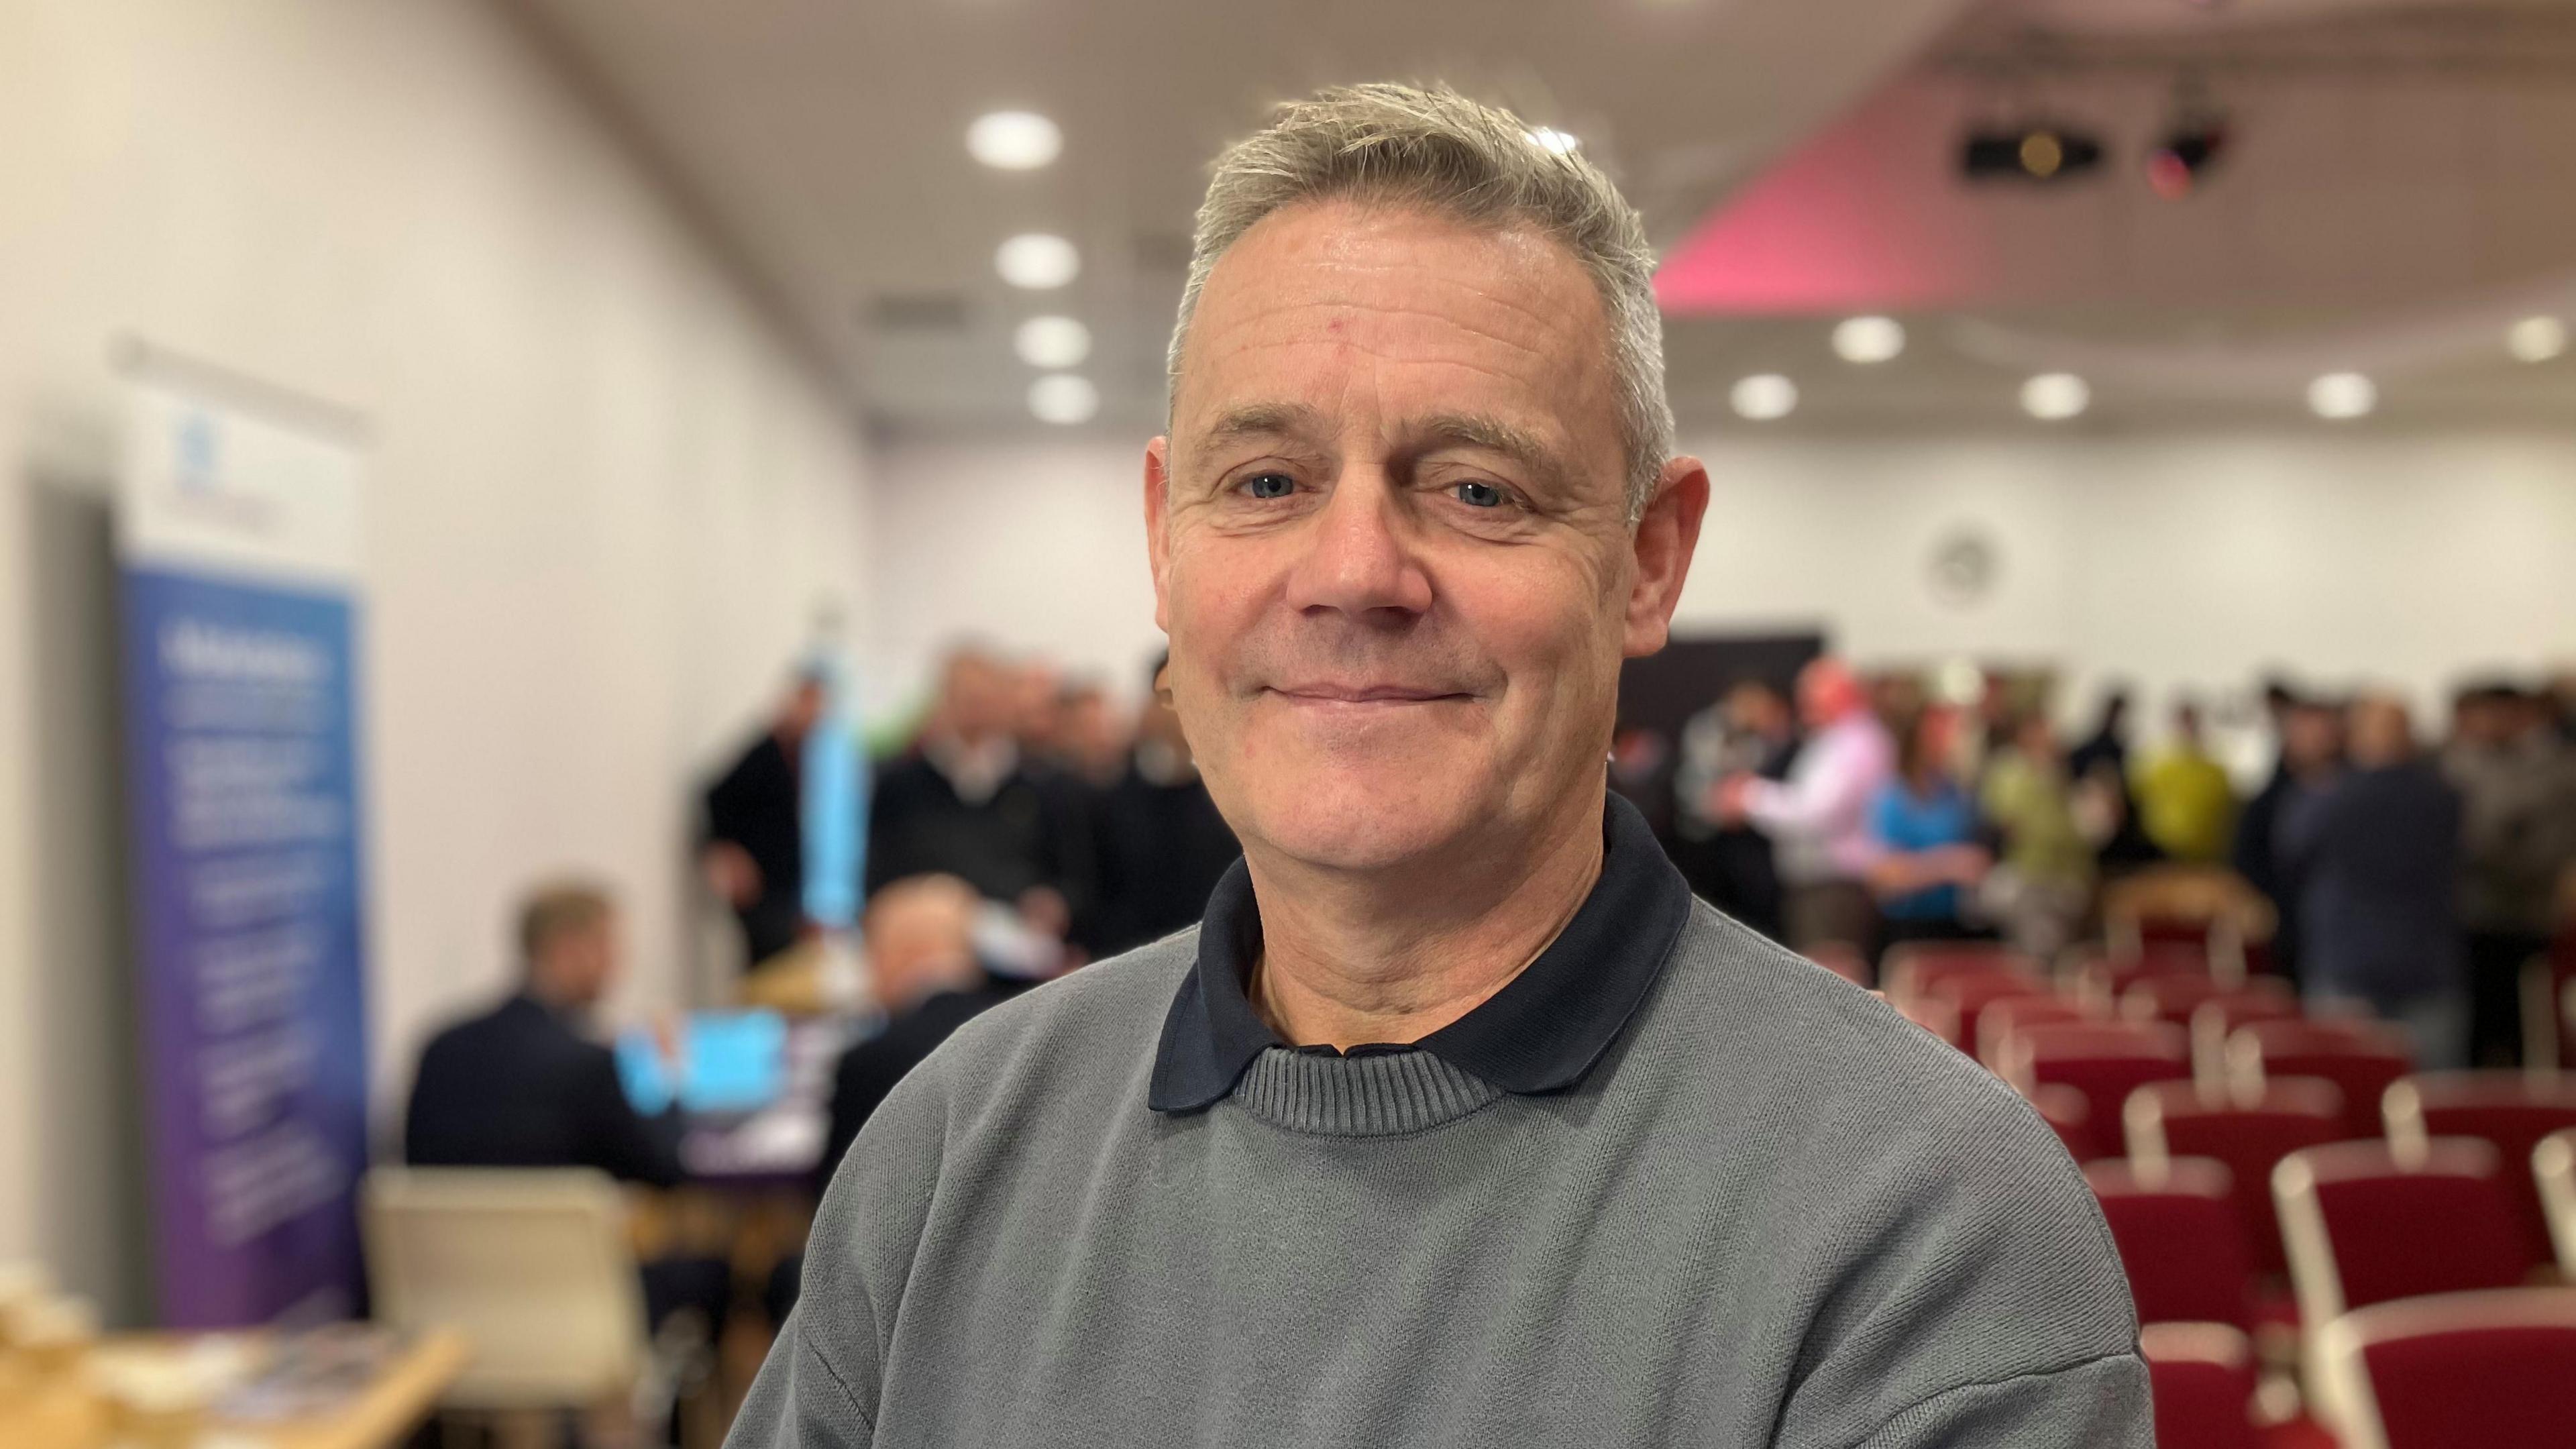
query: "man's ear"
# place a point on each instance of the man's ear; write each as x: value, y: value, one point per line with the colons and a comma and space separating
x: 1158, y: 506
x: 1666, y: 537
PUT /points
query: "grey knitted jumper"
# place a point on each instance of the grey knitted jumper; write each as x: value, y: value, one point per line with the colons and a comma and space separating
x: 1772, y: 1212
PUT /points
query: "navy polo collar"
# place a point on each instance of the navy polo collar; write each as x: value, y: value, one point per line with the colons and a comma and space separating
x: 1540, y: 1033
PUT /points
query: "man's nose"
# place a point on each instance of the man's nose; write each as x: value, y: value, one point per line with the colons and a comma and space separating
x: 1360, y: 557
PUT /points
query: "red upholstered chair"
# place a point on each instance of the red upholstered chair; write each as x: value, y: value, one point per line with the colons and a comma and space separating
x: 2553, y: 1166
x: 1913, y: 968
x: 2494, y: 1370
x: 1973, y: 994
x: 2217, y: 1018
x: 2110, y: 977
x: 2204, y: 1379
x: 2105, y: 1060
x: 2000, y: 1018
x: 2180, y: 1240
x: 2070, y: 1117
x: 2509, y: 1111
x: 2178, y: 997
x: 2249, y: 1135
x: 2361, y: 1058
x: 2365, y: 1225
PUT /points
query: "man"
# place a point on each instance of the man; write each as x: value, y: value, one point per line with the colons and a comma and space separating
x: 2376, y: 854
x: 1818, y: 818
x: 522, y: 1086
x: 2308, y: 747
x: 1162, y: 845
x: 2186, y: 804
x: 924, y: 977
x: 1750, y: 731
x: 1457, y: 1121
x: 967, y: 804
x: 754, y: 854
x: 2517, y: 783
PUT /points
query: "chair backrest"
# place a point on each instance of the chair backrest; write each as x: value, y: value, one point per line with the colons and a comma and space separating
x: 2249, y: 1135
x: 2169, y: 998
x: 2453, y: 1371
x: 1972, y: 994
x: 2364, y: 1224
x: 2361, y: 1058
x: 534, y: 1266
x: 2204, y: 1377
x: 1914, y: 968
x: 2105, y: 1060
x: 2179, y: 1237
x: 2553, y: 1167
x: 2217, y: 1018
x: 2070, y: 1117
x: 2509, y: 1111
x: 2000, y: 1018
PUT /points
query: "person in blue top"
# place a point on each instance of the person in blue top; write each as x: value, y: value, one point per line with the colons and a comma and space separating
x: 1931, y: 852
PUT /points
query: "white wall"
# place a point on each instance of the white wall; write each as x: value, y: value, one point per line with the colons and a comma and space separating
x: 604, y: 500
x: 2191, y: 561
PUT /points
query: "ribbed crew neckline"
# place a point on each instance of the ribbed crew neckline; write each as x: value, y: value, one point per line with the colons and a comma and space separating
x: 1374, y: 1094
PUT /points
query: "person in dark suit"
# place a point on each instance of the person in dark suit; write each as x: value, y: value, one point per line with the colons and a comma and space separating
x: 521, y: 1086
x: 1161, y: 845
x: 969, y: 803
x: 753, y: 852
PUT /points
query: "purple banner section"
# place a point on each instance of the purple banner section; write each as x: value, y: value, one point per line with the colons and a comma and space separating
x: 240, y: 733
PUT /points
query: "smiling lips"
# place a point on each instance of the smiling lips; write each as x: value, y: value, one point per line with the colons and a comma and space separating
x: 1362, y: 694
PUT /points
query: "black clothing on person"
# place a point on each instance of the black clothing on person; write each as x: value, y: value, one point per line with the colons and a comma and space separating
x: 870, y: 1069
x: 758, y: 805
x: 1019, y: 837
x: 2257, y: 857
x: 518, y: 1087
x: 1161, y: 849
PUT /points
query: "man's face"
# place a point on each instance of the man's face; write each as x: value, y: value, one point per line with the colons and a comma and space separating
x: 1390, y: 541
x: 585, y: 961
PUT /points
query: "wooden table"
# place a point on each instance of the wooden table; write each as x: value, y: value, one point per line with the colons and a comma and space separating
x: 67, y: 1416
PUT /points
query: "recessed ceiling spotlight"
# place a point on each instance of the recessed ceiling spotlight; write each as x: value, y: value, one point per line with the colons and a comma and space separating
x: 2053, y: 397
x: 1553, y: 141
x: 2536, y: 339
x: 1764, y: 396
x: 1014, y: 140
x: 2342, y: 395
x: 1063, y: 397
x: 1051, y: 342
x: 1867, y: 340
x: 1037, y: 260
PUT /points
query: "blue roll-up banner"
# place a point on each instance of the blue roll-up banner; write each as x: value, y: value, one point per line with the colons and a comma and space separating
x: 237, y: 538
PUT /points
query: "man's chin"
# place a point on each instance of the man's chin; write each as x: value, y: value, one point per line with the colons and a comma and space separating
x: 1359, y: 824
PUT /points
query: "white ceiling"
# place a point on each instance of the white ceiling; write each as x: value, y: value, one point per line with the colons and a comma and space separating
x: 2403, y: 179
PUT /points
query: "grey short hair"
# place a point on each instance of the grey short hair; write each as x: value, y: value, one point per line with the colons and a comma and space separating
x: 1433, y: 148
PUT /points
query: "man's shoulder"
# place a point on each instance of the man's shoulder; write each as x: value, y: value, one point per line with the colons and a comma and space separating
x: 1753, y: 1020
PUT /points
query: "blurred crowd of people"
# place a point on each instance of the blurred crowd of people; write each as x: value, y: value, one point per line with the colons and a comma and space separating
x: 2412, y: 876
x: 1039, y: 792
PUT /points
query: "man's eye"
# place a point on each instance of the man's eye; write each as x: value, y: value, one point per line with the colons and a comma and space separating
x: 1481, y: 495
x: 1268, y: 485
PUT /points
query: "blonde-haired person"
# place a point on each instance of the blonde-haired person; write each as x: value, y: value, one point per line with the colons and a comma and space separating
x: 1457, y: 1120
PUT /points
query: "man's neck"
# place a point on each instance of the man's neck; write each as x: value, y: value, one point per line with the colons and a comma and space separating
x: 1394, y: 956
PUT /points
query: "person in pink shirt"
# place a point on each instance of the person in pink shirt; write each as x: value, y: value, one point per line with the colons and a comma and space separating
x: 1818, y: 818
